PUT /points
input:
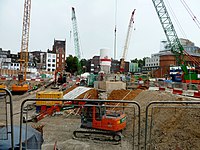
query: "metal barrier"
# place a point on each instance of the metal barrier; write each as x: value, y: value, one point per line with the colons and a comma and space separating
x: 6, y: 116
x: 178, y: 85
x: 155, y: 108
x: 134, y: 118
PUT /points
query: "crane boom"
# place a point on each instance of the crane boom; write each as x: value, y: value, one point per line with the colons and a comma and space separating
x: 25, y: 39
x: 76, y: 37
x: 175, y: 44
x: 170, y: 32
x: 128, y: 37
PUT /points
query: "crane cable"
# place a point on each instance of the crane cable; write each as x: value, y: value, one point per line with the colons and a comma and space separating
x: 194, y: 18
x: 183, y: 33
x: 176, y: 19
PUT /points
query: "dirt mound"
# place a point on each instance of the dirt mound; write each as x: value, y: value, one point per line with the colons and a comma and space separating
x: 124, y: 94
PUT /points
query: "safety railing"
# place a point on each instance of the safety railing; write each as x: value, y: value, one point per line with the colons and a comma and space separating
x: 172, y: 124
x: 6, y: 117
x: 130, y: 108
x: 183, y: 86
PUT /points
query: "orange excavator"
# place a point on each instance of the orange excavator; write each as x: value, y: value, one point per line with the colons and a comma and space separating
x: 22, y: 87
x: 97, y: 124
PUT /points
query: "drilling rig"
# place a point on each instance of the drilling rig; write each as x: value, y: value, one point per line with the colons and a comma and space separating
x: 22, y: 86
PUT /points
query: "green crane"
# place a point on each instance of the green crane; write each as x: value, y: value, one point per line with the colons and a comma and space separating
x: 76, y: 41
x: 174, y: 42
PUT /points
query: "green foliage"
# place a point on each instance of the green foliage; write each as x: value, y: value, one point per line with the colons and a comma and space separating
x: 141, y: 62
x: 74, y: 66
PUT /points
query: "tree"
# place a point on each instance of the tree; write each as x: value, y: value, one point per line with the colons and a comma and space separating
x: 83, y: 63
x: 141, y: 62
x: 72, y: 64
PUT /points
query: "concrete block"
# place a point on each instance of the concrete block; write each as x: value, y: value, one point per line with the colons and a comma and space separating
x: 110, y: 86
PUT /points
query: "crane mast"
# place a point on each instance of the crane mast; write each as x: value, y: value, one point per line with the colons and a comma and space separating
x: 175, y: 44
x: 172, y: 38
x: 23, y: 87
x: 76, y: 37
x: 25, y: 41
x: 128, y: 37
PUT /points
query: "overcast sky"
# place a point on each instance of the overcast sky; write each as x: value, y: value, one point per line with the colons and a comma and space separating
x: 96, y: 20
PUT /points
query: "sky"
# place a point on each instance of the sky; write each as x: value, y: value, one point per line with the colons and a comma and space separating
x: 96, y: 19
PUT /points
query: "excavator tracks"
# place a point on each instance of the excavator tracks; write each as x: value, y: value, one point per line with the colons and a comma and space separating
x: 98, y: 136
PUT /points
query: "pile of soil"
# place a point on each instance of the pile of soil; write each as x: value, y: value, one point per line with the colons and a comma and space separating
x: 122, y: 95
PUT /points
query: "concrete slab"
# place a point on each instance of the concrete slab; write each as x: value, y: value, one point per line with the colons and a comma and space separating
x: 153, y: 89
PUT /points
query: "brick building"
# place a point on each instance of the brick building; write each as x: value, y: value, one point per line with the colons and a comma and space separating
x: 59, y: 50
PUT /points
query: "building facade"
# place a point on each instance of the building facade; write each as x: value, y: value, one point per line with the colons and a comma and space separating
x: 51, y: 61
x: 59, y: 50
x: 115, y: 66
x: 159, y: 64
x: 95, y: 65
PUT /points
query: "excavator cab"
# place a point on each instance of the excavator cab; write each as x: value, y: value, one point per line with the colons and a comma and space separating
x: 88, y: 115
x: 96, y: 117
x: 20, y: 77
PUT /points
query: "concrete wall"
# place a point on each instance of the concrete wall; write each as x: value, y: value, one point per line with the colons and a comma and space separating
x: 109, y: 86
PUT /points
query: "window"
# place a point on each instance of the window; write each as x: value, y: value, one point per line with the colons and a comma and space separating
x: 53, y: 60
x: 54, y: 56
x: 62, y: 56
x: 57, y: 60
x: 53, y: 69
x: 49, y: 60
x: 49, y: 69
x: 53, y: 65
x: 11, y: 64
x: 49, y: 65
x: 97, y: 114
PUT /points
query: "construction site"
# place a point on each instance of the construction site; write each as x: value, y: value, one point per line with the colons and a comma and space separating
x: 102, y: 111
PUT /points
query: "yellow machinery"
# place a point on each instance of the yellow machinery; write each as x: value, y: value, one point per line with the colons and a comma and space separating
x: 2, y: 86
x: 49, y: 94
x: 22, y: 86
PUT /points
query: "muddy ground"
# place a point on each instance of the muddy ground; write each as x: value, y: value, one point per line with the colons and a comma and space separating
x: 171, y: 128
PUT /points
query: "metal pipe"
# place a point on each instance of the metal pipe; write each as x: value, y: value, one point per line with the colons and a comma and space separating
x: 11, y: 115
x: 78, y: 100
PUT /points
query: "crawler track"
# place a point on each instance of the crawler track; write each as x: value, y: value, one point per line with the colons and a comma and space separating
x: 98, y: 136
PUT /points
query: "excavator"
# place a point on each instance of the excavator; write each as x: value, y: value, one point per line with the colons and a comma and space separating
x: 22, y: 86
x: 99, y: 124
